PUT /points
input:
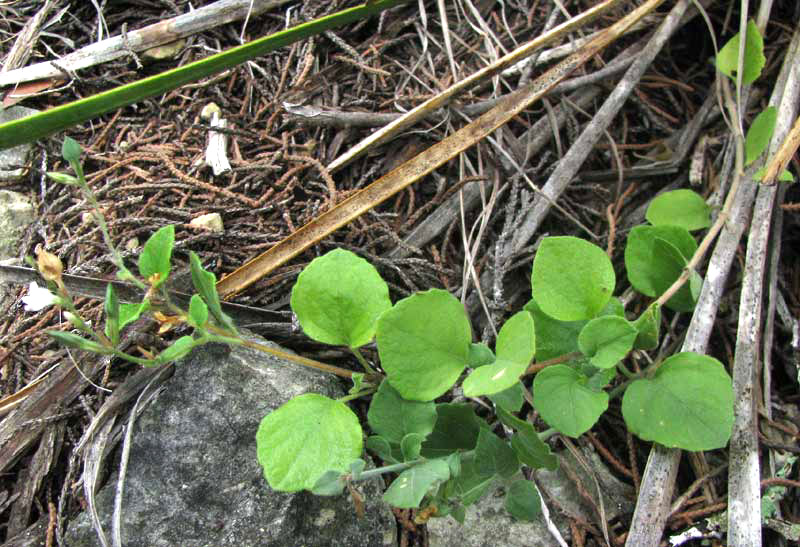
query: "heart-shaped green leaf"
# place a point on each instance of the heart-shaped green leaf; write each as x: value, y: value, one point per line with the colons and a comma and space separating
x: 510, y: 399
x: 565, y: 402
x: 516, y: 345
x: 648, y: 325
x: 338, y: 298
x: 572, y: 279
x: 684, y: 208
x: 423, y: 343
x: 688, y: 404
x: 302, y: 439
x: 607, y: 340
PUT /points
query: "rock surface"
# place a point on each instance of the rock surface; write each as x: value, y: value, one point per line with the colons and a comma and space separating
x: 193, y: 479
x: 488, y: 523
x: 17, y: 156
x: 16, y: 213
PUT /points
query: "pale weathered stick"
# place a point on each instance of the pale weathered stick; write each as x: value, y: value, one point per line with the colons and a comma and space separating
x: 744, y: 477
x: 422, y: 110
x: 26, y: 40
x: 213, y: 15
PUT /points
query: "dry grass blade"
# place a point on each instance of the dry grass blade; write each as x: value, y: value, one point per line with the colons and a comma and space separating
x: 422, y: 164
x: 423, y: 110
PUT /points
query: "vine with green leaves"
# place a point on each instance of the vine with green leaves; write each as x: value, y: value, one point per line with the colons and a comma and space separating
x: 573, y: 338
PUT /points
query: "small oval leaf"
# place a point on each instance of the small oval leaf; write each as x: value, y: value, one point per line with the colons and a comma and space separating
x: 688, y: 404
x: 561, y: 396
x: 515, y: 348
x: 422, y: 361
x: 684, y: 208
x: 393, y: 417
x: 338, y: 298
x: 523, y: 501
x: 301, y: 440
x: 727, y: 60
x: 572, y: 279
x: 759, y: 134
x: 408, y: 489
x: 607, y: 340
x: 154, y: 262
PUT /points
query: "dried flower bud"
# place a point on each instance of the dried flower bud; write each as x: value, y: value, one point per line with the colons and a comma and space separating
x: 49, y: 266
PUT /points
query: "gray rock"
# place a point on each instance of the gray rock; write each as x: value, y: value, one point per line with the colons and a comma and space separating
x: 16, y: 213
x: 17, y: 155
x: 193, y: 479
x: 488, y: 524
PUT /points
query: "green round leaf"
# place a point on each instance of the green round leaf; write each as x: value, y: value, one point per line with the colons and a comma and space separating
x: 684, y: 208
x: 654, y: 259
x: 393, y: 417
x: 759, y: 134
x: 607, y: 340
x: 754, y: 60
x: 561, y: 396
x: 423, y: 343
x: 408, y: 489
x: 410, y: 446
x: 572, y: 279
x: 688, y: 404
x: 338, y: 298
x: 381, y: 448
x: 154, y: 262
x: 523, y: 501
x: 515, y: 348
x: 301, y: 440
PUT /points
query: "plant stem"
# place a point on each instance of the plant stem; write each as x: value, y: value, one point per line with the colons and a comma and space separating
x: 352, y: 396
x: 224, y: 338
x: 536, y: 367
x: 625, y: 370
x: 547, y: 433
x: 368, y: 369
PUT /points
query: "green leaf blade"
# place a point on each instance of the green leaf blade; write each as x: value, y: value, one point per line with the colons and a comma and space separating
x: 759, y: 134
x: 727, y: 59
x: 530, y: 449
x: 565, y: 402
x: 516, y: 345
x: 338, y: 298
x: 421, y: 362
x: 523, y: 501
x: 682, y: 207
x: 408, y: 489
x: 154, y: 262
x: 494, y: 456
x: 572, y: 279
x: 198, y: 311
x: 301, y: 440
x: 457, y: 428
x: 607, y: 340
x: 205, y: 284
x: 393, y: 417
x: 688, y: 404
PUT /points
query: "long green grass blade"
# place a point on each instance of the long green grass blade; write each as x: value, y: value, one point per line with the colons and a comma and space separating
x: 61, y: 117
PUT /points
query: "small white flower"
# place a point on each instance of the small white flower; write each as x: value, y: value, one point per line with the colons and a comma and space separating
x: 38, y: 298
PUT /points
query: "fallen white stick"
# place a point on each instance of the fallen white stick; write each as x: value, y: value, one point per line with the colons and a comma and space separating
x: 213, y: 15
